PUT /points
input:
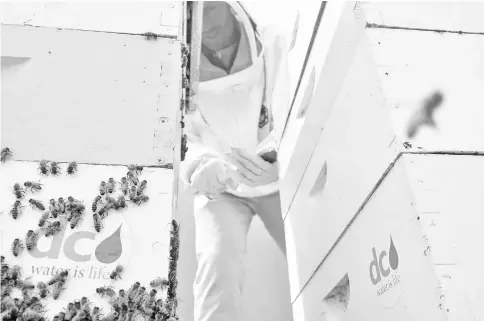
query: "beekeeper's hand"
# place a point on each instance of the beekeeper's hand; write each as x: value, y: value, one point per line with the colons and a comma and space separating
x: 252, y: 170
x: 211, y: 177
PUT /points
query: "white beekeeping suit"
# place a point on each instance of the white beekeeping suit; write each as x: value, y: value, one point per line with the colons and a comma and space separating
x: 211, y: 134
x: 243, y: 108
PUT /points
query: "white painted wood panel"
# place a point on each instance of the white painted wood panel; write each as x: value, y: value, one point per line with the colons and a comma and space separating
x: 413, y: 65
x: 112, y: 96
x: 439, y: 264
x: 388, y: 217
x: 453, y: 228
x: 452, y: 15
x: 144, y: 231
x: 128, y: 17
x: 333, y: 52
x: 348, y: 161
x: 306, y: 19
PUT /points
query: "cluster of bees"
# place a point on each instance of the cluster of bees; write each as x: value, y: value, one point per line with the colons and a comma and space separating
x: 47, y: 167
x: 125, y: 305
x: 131, y: 305
x: 49, y: 221
x: 138, y: 301
x: 129, y: 186
x: 28, y: 307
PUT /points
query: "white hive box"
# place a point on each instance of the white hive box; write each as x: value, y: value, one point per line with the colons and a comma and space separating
x: 430, y: 208
x: 105, y: 100
x: 334, y: 156
x: 93, y: 97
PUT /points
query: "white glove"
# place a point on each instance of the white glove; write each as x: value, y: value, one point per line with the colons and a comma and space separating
x: 211, y: 177
x: 252, y: 170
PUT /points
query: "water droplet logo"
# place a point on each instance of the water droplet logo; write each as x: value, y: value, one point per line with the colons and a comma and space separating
x: 383, y: 263
x: 110, y: 250
x: 393, y: 255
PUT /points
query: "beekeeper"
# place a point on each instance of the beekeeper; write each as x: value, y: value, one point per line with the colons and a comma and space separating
x: 241, y: 109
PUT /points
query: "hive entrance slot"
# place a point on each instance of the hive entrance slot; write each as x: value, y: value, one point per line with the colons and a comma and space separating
x: 336, y: 302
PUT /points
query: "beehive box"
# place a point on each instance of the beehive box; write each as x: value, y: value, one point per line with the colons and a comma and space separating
x: 385, y: 91
x: 412, y: 252
x: 104, y: 100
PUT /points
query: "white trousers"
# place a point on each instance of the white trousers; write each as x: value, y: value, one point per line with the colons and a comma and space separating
x: 221, y: 226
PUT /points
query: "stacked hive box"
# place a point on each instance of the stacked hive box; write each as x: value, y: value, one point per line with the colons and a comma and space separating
x: 381, y: 226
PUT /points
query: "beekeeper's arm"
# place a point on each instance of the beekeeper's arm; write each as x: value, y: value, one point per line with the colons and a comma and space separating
x: 278, y: 93
x: 204, y: 167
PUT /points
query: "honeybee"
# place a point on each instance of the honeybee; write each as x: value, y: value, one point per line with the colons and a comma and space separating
x: 60, y: 275
x: 132, y: 178
x: 111, y: 316
x: 43, y: 291
x: 18, y: 191
x: 110, y: 199
x: 32, y: 315
x: 5, y: 153
x: 74, y: 206
x: 159, y: 316
x: 43, y: 167
x: 150, y: 36
x: 151, y: 300
x: 103, y: 212
x: 75, y: 220
x: 114, y: 205
x: 54, y: 208
x: 15, y: 211
x: 58, y: 288
x: 141, y: 296
x: 94, y: 203
x: 72, y: 202
x: 141, y: 199
x: 53, y: 228
x: 79, y: 209
x: 16, y: 247
x: 160, y: 282
x: 26, y: 284
x: 14, y: 272
x: 43, y: 219
x: 102, y: 188
x: 97, y: 222
x: 129, y: 315
x: 71, y: 168
x: 54, y: 168
x: 96, y: 314
x: 132, y: 192
x: 70, y: 312
x: 30, y: 239
x: 62, y: 205
x: 85, y: 303
x: 116, y: 273
x: 34, y: 186
x: 141, y: 187
x: 81, y: 315
x: 133, y: 291
x: 111, y: 185
x: 135, y: 168
x: 36, y: 204
x: 124, y: 185
x: 6, y: 290
x: 184, y: 147
x: 106, y: 290
x: 121, y: 201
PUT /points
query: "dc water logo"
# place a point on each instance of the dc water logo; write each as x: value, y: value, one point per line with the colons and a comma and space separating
x: 107, y: 251
x: 383, y: 268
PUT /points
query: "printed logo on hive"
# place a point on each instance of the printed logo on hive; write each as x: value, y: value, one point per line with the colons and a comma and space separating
x: 383, y: 268
x: 108, y: 251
